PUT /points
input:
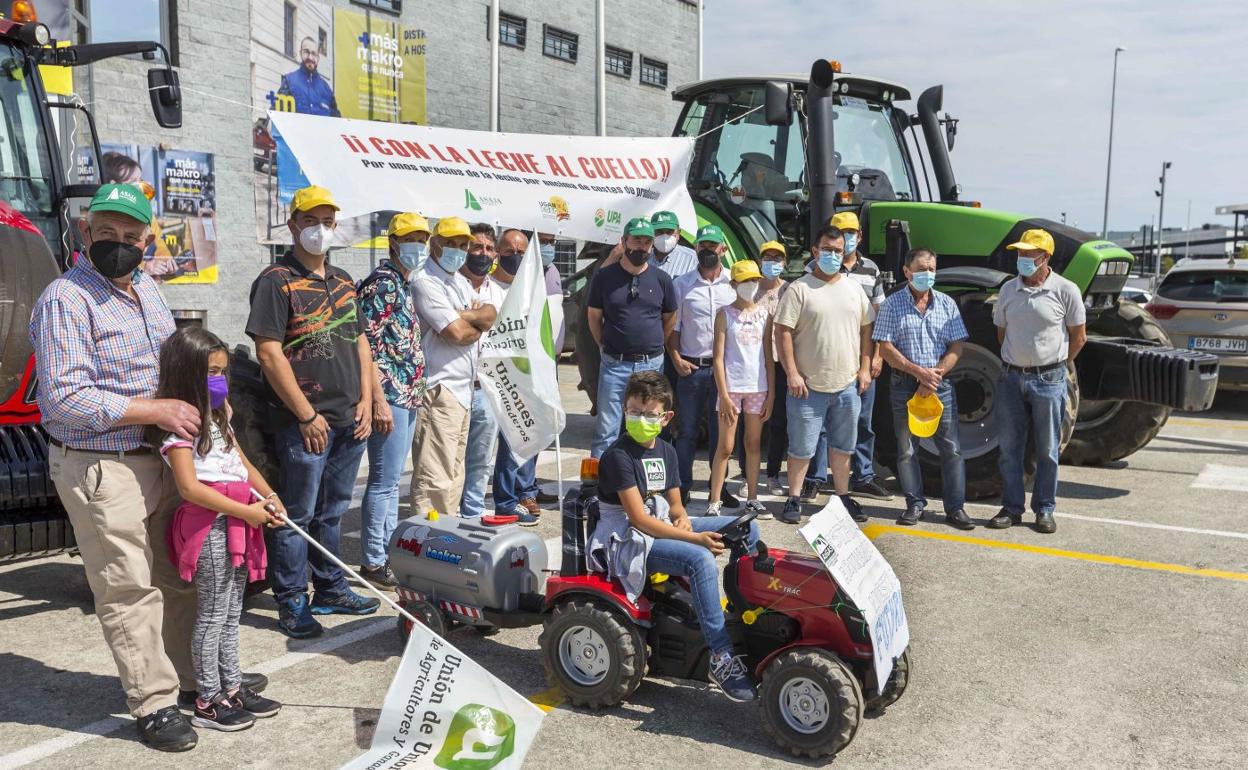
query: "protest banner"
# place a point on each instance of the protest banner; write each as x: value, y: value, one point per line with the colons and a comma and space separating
x: 517, y: 362
x: 866, y: 576
x: 582, y: 187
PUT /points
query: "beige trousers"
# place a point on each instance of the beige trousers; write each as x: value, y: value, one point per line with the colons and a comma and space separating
x: 120, y: 507
x: 438, y: 447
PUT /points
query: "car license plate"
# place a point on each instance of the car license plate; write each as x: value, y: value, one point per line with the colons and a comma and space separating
x: 1218, y: 344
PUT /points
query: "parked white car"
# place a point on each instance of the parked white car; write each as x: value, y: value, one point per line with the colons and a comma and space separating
x: 1203, y: 305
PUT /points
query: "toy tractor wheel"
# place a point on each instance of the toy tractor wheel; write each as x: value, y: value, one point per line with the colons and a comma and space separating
x: 897, y: 682
x: 811, y: 702
x: 430, y: 615
x: 592, y: 654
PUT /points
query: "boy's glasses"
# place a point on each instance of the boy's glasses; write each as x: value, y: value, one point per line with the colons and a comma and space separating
x: 648, y: 416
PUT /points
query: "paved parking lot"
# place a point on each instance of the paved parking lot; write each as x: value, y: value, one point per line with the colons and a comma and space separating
x: 1122, y: 640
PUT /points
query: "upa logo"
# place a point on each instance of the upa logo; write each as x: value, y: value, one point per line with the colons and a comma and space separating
x: 608, y: 218
x: 479, y: 738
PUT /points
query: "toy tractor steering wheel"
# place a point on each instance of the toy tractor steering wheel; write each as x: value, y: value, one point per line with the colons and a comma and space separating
x: 737, y: 530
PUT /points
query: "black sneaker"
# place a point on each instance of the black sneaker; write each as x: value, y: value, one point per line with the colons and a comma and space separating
x: 167, y: 730
x: 349, y: 603
x: 381, y: 577
x: 729, y: 674
x: 255, y: 704
x: 855, y: 510
x: 294, y: 618
x: 221, y: 715
x: 912, y: 516
x: 728, y: 499
x: 872, y: 489
x: 810, y: 490
x: 754, y: 506
x: 792, y: 513
x: 253, y: 682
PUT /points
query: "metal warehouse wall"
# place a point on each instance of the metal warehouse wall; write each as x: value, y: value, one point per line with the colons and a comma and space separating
x: 538, y: 94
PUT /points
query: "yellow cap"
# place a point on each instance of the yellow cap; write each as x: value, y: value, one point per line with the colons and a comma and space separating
x: 406, y: 222
x: 452, y: 227
x: 745, y: 270
x: 1034, y: 240
x: 923, y: 414
x: 773, y: 246
x: 845, y: 220
x: 312, y: 196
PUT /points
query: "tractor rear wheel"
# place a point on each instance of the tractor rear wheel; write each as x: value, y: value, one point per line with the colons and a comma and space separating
x: 591, y: 653
x: 1111, y: 430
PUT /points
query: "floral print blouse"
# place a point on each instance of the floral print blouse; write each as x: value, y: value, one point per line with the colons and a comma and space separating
x: 393, y: 333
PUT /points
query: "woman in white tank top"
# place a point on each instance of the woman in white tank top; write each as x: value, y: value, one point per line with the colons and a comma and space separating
x: 743, y: 375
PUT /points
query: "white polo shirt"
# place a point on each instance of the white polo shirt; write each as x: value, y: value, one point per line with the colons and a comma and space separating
x: 1036, y: 319
x: 439, y: 297
x: 698, y: 302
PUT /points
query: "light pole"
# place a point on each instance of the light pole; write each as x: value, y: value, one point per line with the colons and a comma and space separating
x: 1161, y: 208
x: 1109, y: 156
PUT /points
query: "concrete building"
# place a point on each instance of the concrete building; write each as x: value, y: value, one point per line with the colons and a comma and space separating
x: 225, y: 49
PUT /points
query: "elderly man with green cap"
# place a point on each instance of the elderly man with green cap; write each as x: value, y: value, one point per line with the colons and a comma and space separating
x: 668, y: 254
x: 632, y: 308
x: 97, y: 332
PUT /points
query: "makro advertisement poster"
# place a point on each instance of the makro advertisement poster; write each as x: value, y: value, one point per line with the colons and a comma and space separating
x: 181, y: 184
x: 311, y: 58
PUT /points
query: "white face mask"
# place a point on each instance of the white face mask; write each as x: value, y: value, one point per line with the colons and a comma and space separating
x: 747, y: 291
x: 315, y: 239
x: 663, y: 244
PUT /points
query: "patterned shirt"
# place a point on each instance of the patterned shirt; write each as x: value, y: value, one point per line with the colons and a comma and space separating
x: 924, y: 337
x: 96, y: 348
x: 317, y: 322
x: 770, y: 300
x: 393, y: 334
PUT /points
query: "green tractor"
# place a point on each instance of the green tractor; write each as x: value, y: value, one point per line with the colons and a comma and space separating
x: 777, y: 156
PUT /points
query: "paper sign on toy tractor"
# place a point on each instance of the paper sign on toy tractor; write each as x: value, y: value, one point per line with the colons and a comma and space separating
x: 863, y: 573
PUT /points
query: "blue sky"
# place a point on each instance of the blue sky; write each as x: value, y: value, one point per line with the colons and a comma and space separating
x: 1030, y: 82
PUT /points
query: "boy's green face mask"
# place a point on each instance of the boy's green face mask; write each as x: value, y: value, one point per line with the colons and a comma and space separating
x: 643, y: 430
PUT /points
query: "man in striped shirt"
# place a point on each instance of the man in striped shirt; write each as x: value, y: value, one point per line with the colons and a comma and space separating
x: 97, y: 332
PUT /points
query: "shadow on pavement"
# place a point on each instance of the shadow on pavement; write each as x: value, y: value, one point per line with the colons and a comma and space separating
x: 55, y: 697
x: 54, y: 585
x: 1077, y: 491
x: 1212, y: 445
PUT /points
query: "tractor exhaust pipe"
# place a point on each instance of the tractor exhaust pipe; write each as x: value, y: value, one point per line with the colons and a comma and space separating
x: 930, y: 103
x: 821, y: 158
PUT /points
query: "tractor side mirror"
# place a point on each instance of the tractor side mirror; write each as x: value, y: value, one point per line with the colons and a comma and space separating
x: 951, y: 130
x: 164, y: 88
x: 778, y: 103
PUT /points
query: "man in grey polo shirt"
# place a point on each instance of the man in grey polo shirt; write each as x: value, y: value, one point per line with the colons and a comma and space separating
x: 1041, y: 326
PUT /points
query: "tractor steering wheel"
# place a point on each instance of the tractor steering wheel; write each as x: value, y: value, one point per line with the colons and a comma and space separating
x: 738, y: 529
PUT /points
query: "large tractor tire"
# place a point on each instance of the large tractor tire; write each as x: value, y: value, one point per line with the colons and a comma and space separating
x: 1111, y: 430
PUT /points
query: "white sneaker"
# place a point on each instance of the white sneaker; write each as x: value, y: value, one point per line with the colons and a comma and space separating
x: 756, y: 506
x: 776, y: 488
x: 713, y: 509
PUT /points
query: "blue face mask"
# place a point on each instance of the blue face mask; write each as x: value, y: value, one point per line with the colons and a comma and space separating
x: 829, y: 262
x: 923, y: 280
x: 771, y: 269
x: 851, y: 243
x: 412, y: 255
x: 1027, y: 267
x: 452, y: 259
x: 548, y: 253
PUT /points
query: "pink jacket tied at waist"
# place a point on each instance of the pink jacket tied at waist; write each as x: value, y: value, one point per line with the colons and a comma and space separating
x: 191, y: 524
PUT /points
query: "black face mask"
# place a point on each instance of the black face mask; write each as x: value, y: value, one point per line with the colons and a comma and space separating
x: 707, y: 258
x: 637, y: 256
x: 113, y: 258
x: 510, y: 263
x: 479, y: 264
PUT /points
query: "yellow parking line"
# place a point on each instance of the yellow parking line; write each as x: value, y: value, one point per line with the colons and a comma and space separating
x: 547, y: 700
x: 873, y: 531
x: 1203, y: 423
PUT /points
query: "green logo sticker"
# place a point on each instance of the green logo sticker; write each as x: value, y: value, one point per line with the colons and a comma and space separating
x: 470, y: 201
x: 479, y: 738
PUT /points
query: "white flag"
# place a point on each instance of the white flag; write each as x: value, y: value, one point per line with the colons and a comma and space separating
x: 517, y: 364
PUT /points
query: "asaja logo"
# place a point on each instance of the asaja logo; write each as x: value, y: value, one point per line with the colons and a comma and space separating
x: 120, y: 193
x: 474, y: 202
x: 479, y: 738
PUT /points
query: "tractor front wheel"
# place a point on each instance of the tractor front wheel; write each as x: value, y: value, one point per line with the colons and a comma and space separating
x: 810, y: 702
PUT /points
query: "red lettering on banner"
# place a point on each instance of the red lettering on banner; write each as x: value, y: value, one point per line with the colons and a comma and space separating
x: 504, y: 161
x: 438, y: 152
x: 416, y: 150
x: 379, y: 145
x: 455, y: 156
x: 636, y: 170
x: 555, y: 168
x: 526, y: 162
x: 587, y: 167
x: 354, y: 144
x: 612, y: 168
x: 648, y: 168
x: 665, y: 166
x: 475, y: 158
x: 397, y: 147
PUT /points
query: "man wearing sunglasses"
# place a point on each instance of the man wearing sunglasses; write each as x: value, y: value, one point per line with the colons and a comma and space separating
x: 632, y: 309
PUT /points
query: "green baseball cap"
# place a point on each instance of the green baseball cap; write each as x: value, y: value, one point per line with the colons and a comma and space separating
x: 639, y: 226
x: 710, y: 233
x: 124, y: 199
x: 665, y: 220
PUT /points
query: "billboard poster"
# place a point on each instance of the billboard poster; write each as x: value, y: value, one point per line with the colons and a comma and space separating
x: 313, y: 59
x: 181, y: 184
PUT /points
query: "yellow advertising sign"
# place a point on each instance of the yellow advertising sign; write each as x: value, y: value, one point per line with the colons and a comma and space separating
x: 379, y: 68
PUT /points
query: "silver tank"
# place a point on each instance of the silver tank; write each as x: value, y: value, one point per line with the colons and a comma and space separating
x: 466, y: 562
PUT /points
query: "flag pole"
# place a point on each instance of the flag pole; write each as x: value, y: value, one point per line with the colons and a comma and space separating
x: 559, y: 470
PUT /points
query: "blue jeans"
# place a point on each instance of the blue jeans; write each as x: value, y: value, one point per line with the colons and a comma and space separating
x: 613, y: 375
x: 379, y: 513
x: 512, y: 482
x: 1036, y: 401
x: 478, y: 454
x: 946, y: 438
x: 676, y: 557
x: 862, y: 464
x: 316, y: 490
x: 696, y: 396
x: 832, y: 415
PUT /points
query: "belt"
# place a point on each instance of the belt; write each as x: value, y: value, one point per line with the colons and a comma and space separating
x: 701, y: 363
x: 143, y: 450
x: 1034, y: 369
x: 633, y: 357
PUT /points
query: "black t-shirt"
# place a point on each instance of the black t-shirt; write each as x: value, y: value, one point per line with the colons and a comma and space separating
x: 318, y: 322
x: 632, y: 324
x: 628, y: 464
